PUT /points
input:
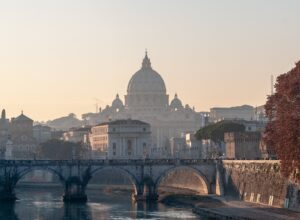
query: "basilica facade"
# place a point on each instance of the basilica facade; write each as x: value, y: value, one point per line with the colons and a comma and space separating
x: 16, y: 137
x: 147, y: 100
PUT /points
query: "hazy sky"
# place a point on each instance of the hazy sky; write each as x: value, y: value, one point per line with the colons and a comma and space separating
x: 57, y: 56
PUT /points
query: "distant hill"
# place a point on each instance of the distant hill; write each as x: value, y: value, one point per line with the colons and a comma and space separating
x: 65, y: 123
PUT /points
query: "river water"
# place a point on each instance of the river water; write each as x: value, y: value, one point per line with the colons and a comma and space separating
x: 45, y: 204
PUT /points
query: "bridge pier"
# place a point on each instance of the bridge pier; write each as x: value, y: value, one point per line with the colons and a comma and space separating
x: 7, y: 196
x: 74, y: 191
x: 7, y: 192
x: 75, y: 196
x: 146, y: 193
x: 149, y: 197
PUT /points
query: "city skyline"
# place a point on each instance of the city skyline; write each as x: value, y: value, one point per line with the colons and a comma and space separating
x: 210, y: 53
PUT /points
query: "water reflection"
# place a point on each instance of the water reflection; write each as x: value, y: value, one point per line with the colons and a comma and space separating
x: 77, y: 211
x: 46, y: 204
x: 143, y: 209
x: 94, y: 211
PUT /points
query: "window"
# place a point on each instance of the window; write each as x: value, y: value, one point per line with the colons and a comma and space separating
x: 144, y: 149
x: 129, y: 147
x: 114, y: 149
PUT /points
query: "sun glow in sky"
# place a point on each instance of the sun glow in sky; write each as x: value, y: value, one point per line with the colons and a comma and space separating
x: 58, y: 56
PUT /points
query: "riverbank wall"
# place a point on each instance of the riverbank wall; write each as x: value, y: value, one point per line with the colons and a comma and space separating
x: 260, y: 182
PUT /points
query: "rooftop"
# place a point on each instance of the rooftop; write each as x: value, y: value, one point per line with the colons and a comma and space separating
x: 22, y: 117
x: 124, y: 122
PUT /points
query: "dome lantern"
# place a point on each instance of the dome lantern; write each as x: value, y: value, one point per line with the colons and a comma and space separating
x: 146, y: 61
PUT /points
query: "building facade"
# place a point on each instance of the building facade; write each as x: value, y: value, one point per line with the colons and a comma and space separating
x: 24, y: 144
x: 121, y: 139
x: 42, y: 133
x: 16, y: 137
x: 244, y: 112
x: 243, y: 145
x: 76, y: 135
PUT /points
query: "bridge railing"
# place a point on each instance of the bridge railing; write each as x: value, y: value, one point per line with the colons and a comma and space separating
x: 106, y: 162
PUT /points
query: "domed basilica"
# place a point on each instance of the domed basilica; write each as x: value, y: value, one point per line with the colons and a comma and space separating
x: 147, y: 100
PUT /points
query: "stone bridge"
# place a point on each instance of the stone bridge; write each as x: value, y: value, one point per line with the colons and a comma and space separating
x: 75, y: 175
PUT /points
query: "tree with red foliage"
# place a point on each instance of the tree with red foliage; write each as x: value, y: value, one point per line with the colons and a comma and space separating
x: 283, y: 129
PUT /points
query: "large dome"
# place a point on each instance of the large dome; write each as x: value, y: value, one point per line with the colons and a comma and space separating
x: 146, y: 80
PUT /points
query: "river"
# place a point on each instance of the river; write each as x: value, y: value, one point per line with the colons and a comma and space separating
x: 44, y: 203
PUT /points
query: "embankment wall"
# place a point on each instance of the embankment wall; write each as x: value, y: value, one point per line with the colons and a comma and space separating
x: 260, y: 181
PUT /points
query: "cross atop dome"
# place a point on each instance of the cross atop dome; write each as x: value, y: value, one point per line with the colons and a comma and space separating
x: 146, y: 62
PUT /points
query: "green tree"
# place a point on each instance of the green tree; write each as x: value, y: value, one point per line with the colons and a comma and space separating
x: 216, y: 131
x: 283, y: 129
x: 60, y: 150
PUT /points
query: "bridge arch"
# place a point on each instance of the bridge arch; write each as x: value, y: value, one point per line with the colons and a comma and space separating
x: 123, y: 171
x: 204, y: 182
x: 28, y: 170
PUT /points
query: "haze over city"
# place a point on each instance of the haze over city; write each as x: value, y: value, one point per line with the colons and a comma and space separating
x: 57, y: 57
x: 139, y: 109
